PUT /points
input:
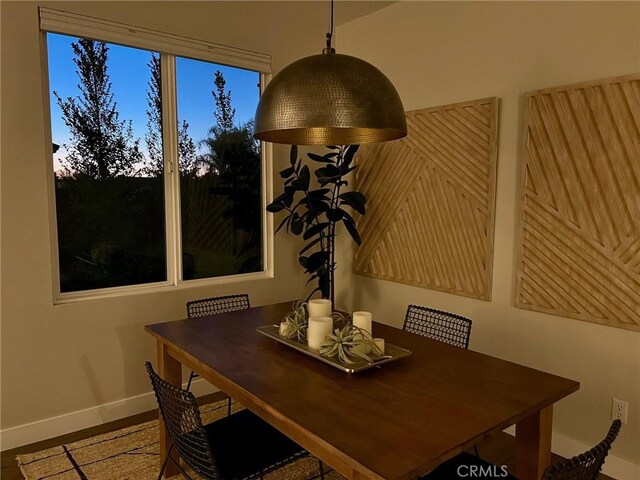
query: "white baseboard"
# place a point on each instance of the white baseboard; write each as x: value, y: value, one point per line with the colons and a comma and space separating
x: 614, y: 467
x: 72, y: 422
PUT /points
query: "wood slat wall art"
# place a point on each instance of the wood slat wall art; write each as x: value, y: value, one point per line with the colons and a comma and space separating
x: 579, y: 246
x: 431, y: 201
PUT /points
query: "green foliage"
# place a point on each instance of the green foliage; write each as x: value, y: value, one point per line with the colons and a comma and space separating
x: 224, y: 113
x: 101, y: 145
x: 110, y: 232
x: 314, y: 213
x: 234, y: 156
x: 187, y: 158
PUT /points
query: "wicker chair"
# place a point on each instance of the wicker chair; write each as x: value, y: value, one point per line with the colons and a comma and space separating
x: 585, y: 466
x: 212, y: 306
x: 442, y: 326
x: 240, y: 446
x: 438, y: 325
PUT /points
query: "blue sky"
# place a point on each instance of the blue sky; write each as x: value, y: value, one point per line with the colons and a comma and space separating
x: 130, y: 75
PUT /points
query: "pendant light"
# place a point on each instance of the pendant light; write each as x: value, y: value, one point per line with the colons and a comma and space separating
x: 330, y: 99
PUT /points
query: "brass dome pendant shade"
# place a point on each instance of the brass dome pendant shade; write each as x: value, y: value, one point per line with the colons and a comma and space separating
x: 330, y: 99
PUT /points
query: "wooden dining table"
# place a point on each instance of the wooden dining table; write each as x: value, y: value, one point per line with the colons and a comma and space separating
x: 396, y: 421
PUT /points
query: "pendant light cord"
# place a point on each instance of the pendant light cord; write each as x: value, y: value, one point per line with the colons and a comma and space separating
x: 330, y: 33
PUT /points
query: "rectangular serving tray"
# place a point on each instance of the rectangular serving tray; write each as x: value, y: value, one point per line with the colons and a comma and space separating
x: 391, y: 352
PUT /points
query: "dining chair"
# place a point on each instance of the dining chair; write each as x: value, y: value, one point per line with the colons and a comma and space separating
x: 212, y: 306
x: 239, y: 446
x: 585, y: 466
x: 438, y: 325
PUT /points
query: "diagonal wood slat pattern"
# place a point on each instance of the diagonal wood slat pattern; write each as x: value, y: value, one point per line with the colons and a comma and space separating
x: 430, y: 209
x: 579, y: 249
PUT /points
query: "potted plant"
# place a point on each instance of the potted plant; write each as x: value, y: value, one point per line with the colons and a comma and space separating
x: 315, y: 213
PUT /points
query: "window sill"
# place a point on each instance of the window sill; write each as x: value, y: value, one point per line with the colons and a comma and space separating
x: 113, y: 292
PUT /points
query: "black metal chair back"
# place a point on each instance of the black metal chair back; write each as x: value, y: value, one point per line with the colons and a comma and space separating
x: 213, y: 305
x: 442, y: 326
x: 184, y: 426
x: 587, y: 465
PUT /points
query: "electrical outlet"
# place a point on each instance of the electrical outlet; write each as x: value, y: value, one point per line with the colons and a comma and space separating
x: 619, y: 409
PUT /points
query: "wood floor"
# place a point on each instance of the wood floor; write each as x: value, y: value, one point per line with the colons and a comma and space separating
x: 498, y: 450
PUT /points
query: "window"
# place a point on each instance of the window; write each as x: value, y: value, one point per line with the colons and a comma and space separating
x: 157, y: 178
x: 220, y: 185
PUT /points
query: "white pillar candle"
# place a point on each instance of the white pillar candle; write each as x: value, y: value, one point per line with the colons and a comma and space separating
x: 319, y: 328
x: 380, y: 344
x: 319, y: 307
x: 362, y: 320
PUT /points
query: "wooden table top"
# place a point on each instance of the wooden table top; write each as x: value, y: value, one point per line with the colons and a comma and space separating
x: 394, y: 422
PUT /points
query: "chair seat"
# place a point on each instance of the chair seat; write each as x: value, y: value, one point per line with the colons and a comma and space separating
x: 243, y: 445
x: 466, y: 466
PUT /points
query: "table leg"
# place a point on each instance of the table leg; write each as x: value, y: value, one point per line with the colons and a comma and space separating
x: 171, y: 370
x: 533, y: 444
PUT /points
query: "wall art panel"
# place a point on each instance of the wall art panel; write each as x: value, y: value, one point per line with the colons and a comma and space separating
x: 579, y: 243
x: 431, y: 201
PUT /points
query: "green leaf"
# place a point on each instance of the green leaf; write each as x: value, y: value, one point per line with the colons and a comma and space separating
x: 310, y: 244
x: 320, y: 192
x: 305, y: 177
x: 322, y: 204
x: 328, y: 171
x: 315, y: 230
x: 353, y: 231
x: 297, y: 224
x: 355, y: 200
x: 287, y: 196
x: 293, y: 154
x: 316, y: 261
x: 334, y: 215
x: 346, y: 169
x: 275, y: 207
x: 287, y: 172
x: 351, y: 151
x: 346, y: 217
x: 320, y: 158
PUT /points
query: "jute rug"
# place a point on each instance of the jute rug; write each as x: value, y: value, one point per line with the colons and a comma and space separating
x: 132, y: 453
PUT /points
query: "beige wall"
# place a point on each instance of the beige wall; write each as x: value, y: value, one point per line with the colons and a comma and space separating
x: 64, y: 358
x: 60, y: 359
x: 438, y: 53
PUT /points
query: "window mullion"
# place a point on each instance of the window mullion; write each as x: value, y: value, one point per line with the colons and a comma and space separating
x: 171, y: 167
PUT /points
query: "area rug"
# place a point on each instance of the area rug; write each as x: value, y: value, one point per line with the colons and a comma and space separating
x: 133, y: 453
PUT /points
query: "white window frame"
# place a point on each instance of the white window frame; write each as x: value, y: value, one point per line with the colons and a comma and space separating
x: 169, y: 46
